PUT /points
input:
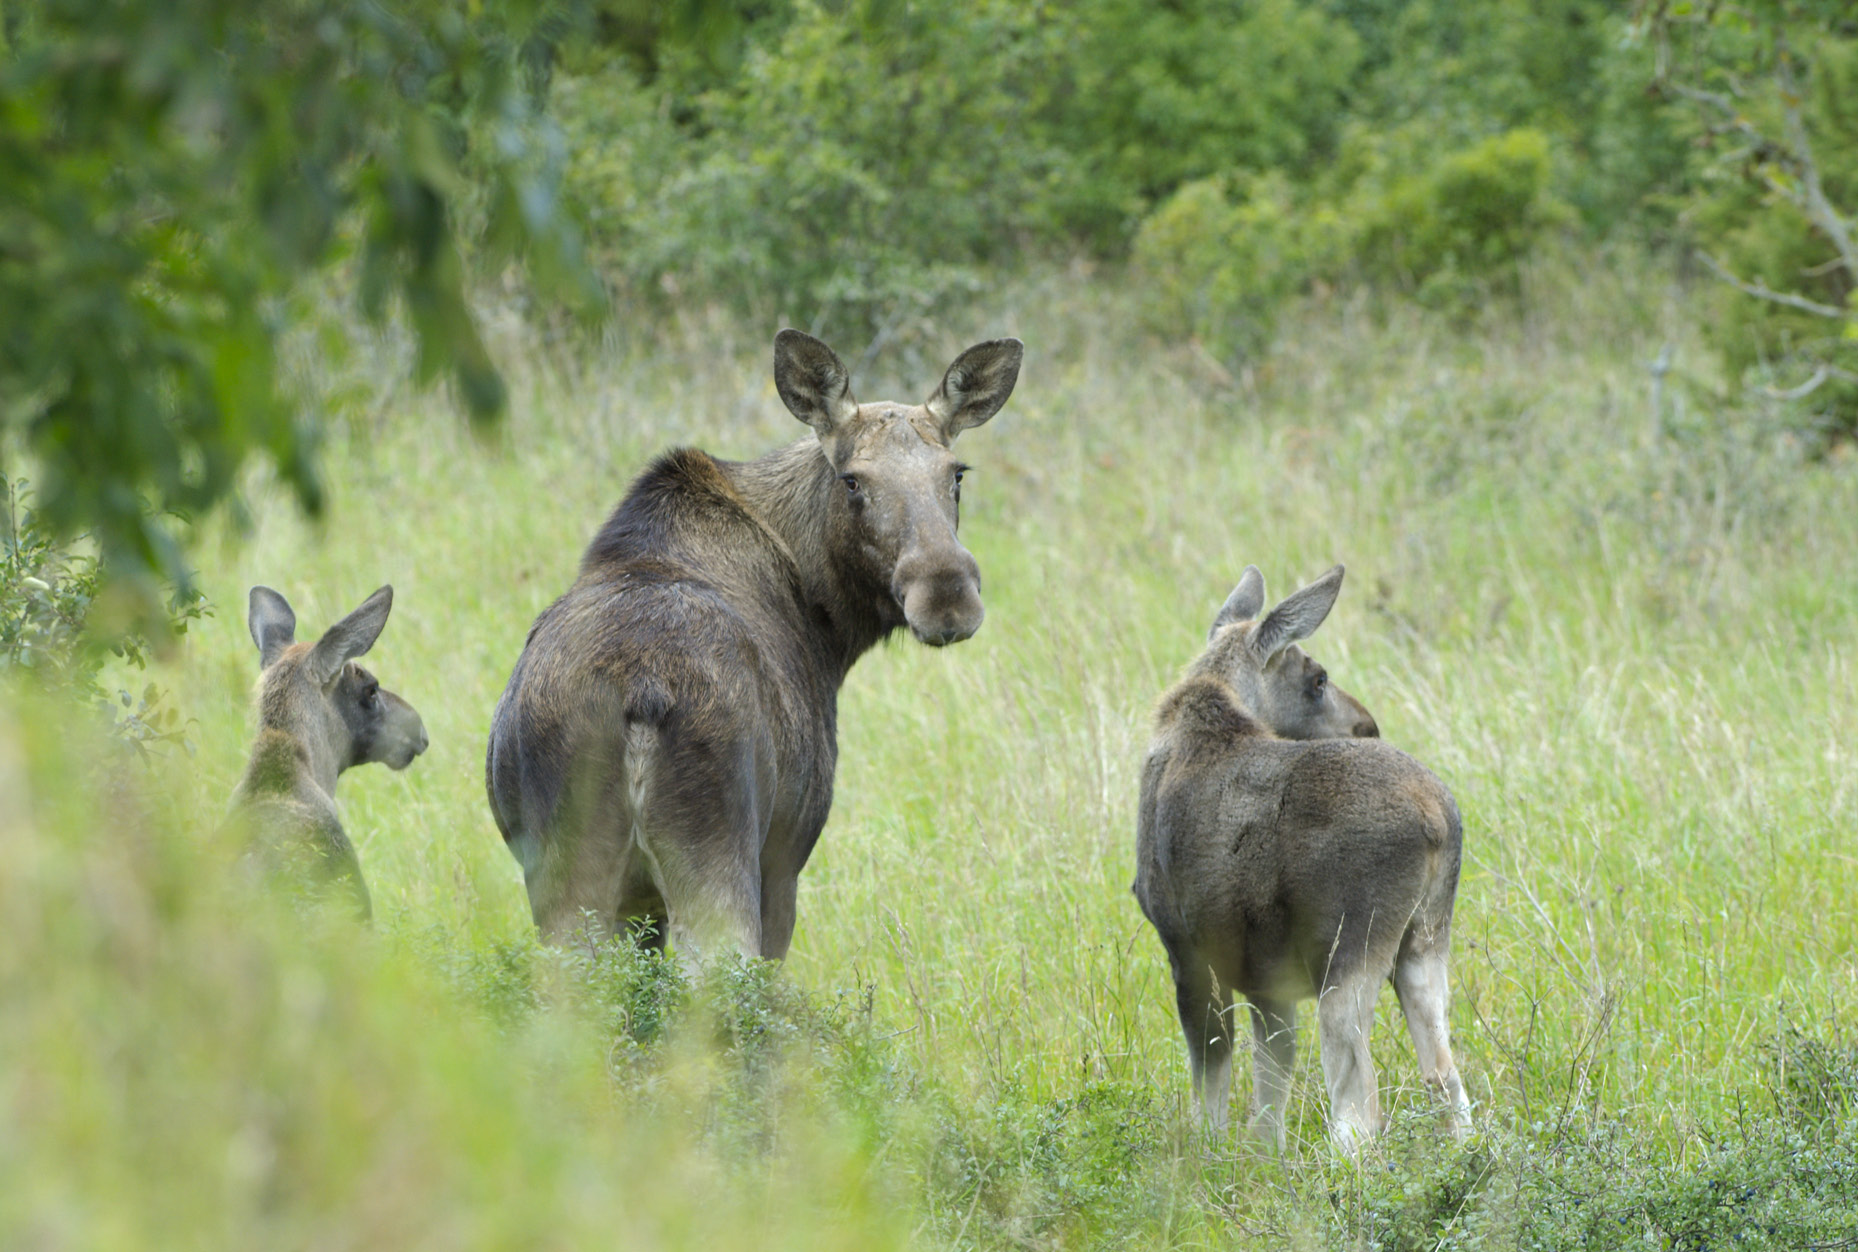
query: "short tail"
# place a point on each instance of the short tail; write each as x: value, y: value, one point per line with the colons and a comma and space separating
x: 648, y: 708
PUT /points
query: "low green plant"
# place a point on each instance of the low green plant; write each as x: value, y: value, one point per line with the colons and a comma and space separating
x: 48, y: 591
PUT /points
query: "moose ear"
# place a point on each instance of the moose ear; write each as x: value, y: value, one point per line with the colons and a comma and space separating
x: 351, y: 636
x: 1298, y: 616
x: 1244, y: 602
x: 814, y: 384
x: 976, y: 385
x: 273, y: 625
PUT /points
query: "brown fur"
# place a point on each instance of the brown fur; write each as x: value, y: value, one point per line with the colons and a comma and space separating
x: 319, y: 713
x: 664, y: 751
x: 1283, y: 853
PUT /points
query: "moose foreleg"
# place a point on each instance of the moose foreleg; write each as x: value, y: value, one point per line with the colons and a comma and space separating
x: 1274, y: 1050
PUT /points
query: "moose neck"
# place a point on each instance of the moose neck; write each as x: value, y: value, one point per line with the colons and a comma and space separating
x: 793, y: 490
x: 282, y: 719
x: 1207, y: 710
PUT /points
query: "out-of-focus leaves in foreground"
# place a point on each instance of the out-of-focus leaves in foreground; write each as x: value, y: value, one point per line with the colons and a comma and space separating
x: 173, y: 168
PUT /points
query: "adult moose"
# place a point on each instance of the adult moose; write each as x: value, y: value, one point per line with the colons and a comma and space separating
x: 666, y: 745
x: 1283, y: 851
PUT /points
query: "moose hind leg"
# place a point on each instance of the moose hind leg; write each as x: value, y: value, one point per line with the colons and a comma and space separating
x: 1425, y: 998
x: 1274, y: 1049
x: 577, y: 876
x: 699, y: 827
x: 780, y: 891
x: 1345, y: 1014
x: 1207, y: 1027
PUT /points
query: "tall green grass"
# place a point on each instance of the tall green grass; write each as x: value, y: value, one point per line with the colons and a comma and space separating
x: 1625, y: 638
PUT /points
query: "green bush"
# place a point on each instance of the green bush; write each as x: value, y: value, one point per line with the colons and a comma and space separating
x: 1222, y: 255
x: 620, y: 147
x: 1147, y: 97
x: 1472, y: 214
x: 1219, y: 258
x: 860, y: 168
x: 174, y: 169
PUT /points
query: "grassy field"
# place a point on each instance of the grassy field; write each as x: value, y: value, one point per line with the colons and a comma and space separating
x: 1624, y: 637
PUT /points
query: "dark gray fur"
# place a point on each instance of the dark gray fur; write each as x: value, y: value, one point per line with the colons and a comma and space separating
x: 664, y: 751
x: 1284, y: 852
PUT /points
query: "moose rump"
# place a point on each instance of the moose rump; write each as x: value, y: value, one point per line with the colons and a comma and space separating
x: 655, y: 734
x: 1301, y: 870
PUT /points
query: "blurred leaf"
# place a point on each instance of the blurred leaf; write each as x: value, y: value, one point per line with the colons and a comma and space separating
x: 174, y: 168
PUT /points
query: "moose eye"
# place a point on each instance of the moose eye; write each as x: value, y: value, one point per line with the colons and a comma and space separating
x: 370, y: 695
x: 851, y: 483
x: 1317, y: 685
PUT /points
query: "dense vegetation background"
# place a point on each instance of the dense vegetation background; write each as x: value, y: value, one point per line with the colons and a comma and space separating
x: 1538, y: 315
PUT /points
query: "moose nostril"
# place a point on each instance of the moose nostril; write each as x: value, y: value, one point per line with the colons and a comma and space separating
x: 1367, y: 730
x: 942, y: 636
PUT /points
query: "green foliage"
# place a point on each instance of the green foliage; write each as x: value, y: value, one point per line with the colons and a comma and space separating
x: 1466, y: 69
x: 1147, y: 97
x: 184, y: 1064
x: 1222, y: 256
x: 47, y: 593
x: 1094, y: 1169
x: 1759, y: 1181
x: 1470, y: 214
x: 172, y: 171
x: 859, y: 169
x: 1772, y: 91
x: 858, y: 166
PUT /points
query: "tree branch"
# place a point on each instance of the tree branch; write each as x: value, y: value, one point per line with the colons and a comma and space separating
x: 1796, y: 153
x: 1817, y: 206
x: 1725, y: 105
x: 1821, y: 374
x: 1768, y: 293
x: 1801, y: 392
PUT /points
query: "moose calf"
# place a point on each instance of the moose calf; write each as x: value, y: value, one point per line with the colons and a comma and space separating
x: 318, y: 714
x: 1283, y: 851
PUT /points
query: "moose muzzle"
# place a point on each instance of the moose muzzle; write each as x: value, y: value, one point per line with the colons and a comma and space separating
x: 941, y: 595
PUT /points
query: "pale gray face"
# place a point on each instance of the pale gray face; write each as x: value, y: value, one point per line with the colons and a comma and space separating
x: 902, y: 495
x: 901, y: 484
x: 1292, y: 694
x: 1280, y: 684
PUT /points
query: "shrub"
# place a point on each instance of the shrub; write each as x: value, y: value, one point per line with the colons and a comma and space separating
x: 1147, y: 97
x: 1472, y: 214
x: 1219, y: 258
x: 48, y: 591
x: 1221, y: 255
x: 859, y: 169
